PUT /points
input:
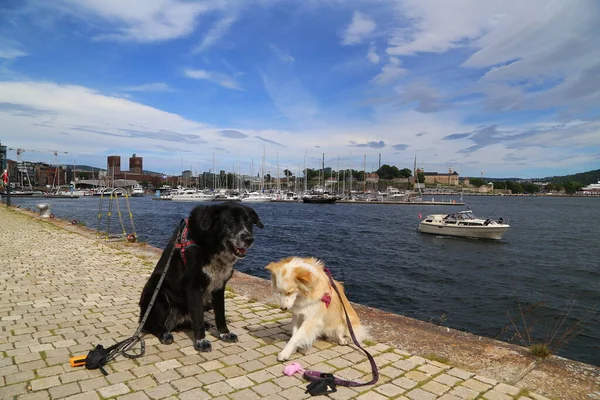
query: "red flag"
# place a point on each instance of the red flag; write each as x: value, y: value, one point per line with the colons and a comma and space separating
x: 5, y: 177
x: 420, y: 216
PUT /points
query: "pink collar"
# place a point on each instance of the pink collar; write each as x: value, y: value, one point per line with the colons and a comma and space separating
x: 326, y: 299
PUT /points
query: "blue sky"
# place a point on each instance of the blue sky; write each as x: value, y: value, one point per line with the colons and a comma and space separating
x: 500, y: 88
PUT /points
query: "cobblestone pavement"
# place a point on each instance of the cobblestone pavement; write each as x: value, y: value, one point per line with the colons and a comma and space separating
x: 63, y: 293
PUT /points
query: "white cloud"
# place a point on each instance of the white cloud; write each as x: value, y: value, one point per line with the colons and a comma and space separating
x: 359, y: 29
x: 282, y: 55
x: 540, y: 54
x: 137, y: 20
x: 372, y: 54
x: 10, y: 50
x: 89, y: 125
x: 391, y: 72
x: 215, y: 77
x: 290, y: 96
x: 214, y: 34
x: 150, y: 87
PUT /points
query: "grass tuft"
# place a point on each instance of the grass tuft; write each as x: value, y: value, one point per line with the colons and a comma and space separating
x: 435, y: 357
x: 540, y: 350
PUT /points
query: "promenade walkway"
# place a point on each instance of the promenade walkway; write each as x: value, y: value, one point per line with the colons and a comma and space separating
x: 62, y: 293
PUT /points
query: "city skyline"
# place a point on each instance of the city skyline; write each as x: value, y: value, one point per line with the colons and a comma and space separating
x: 499, y: 89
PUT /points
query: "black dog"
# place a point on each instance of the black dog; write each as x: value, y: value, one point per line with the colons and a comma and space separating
x: 203, y: 253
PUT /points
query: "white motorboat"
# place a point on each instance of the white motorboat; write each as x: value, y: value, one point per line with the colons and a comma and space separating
x: 137, y: 191
x: 464, y: 224
x: 256, y: 197
x: 192, y: 195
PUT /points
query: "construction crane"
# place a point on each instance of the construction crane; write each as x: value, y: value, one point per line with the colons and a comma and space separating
x: 23, y: 169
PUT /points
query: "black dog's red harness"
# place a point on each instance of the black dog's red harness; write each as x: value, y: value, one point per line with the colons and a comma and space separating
x: 183, y: 242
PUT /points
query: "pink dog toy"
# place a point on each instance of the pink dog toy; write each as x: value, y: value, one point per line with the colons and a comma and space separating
x: 292, y: 368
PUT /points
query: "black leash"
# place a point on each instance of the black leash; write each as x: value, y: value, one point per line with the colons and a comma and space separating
x: 99, y: 357
x: 323, y: 383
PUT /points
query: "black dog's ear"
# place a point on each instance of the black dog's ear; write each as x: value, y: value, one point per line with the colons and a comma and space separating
x: 203, y: 217
x: 255, y: 219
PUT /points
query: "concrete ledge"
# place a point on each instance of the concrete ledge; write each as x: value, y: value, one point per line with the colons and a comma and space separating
x: 62, y: 291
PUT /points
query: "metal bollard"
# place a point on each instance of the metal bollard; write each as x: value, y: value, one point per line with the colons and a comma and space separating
x: 44, y: 210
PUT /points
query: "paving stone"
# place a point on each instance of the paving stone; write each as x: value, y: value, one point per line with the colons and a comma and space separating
x: 390, y: 390
x: 195, y: 394
x: 266, y: 389
x: 429, y: 369
x: 459, y: 373
x: 371, y: 396
x: 507, y: 389
x: 405, y: 383
x: 84, y: 396
x: 239, y: 382
x: 19, y: 377
x: 464, y: 392
x: 496, y: 395
x: 64, y: 390
x: 167, y: 365
x: 435, y: 387
x: 141, y: 383
x: 210, y: 377
x: 417, y: 375
x: 420, y: 394
x: 294, y: 393
x: 91, y: 384
x: 446, y: 379
x: 185, y: 384
x: 483, y: 379
x: 134, y: 396
x: 114, y: 390
x: 476, y: 385
x: 35, y: 396
x: 166, y: 376
x: 160, y: 392
x: 449, y: 396
x: 44, y: 383
x: 245, y: 394
x: 261, y: 376
x: 218, y: 389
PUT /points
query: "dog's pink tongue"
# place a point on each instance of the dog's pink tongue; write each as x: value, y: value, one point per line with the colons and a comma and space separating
x: 241, y: 251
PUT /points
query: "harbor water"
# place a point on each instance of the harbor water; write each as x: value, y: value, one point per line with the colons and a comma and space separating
x: 549, y: 257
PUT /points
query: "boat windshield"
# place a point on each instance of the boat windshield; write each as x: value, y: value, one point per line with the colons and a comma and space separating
x: 461, y: 216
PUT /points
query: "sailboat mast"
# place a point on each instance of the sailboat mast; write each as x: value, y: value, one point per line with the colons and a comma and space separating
x: 262, y: 172
x: 323, y: 170
x: 278, y: 182
x: 305, y: 173
x: 365, y: 174
x: 338, y: 176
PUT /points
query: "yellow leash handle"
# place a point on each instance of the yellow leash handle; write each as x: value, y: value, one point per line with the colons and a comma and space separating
x: 78, y: 361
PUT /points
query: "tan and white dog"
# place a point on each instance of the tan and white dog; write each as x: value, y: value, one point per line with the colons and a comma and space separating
x: 316, y: 308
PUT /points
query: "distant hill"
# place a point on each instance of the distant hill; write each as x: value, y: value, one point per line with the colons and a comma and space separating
x: 584, y: 178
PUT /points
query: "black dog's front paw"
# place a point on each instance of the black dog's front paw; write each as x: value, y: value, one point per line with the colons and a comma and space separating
x: 166, y: 338
x: 202, y: 345
x: 229, y: 337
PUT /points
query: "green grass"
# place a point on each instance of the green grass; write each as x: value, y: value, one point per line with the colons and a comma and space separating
x: 435, y: 357
x: 368, y: 342
x: 540, y: 350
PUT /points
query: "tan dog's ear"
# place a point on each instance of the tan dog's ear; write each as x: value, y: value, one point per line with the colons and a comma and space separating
x: 271, y: 267
x: 277, y: 265
x: 304, y: 277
